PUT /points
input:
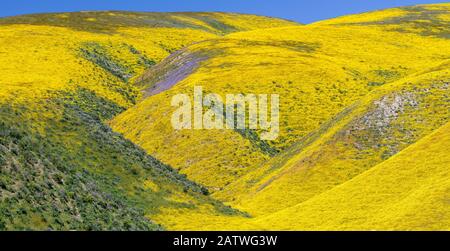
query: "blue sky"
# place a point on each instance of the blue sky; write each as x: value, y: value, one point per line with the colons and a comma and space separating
x: 298, y: 10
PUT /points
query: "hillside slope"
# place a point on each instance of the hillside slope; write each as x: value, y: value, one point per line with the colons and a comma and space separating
x: 365, y: 134
x: 426, y: 20
x: 111, y: 21
x: 318, y: 71
x: 63, y: 76
x: 368, y: 134
x: 409, y: 191
x: 353, y: 95
x: 86, y: 140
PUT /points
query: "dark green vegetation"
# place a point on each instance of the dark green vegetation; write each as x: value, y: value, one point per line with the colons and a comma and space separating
x: 98, y: 54
x: 77, y: 173
x: 253, y: 136
x: 43, y: 187
x: 61, y: 165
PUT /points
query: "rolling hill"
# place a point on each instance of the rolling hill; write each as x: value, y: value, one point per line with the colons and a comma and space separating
x: 408, y: 191
x: 86, y: 140
x: 318, y: 70
x: 63, y: 76
x: 355, y: 92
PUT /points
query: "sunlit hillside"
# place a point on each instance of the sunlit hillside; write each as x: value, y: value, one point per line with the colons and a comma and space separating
x: 318, y: 71
x: 63, y: 76
x: 86, y: 140
x: 353, y: 95
x: 426, y: 20
x: 409, y: 191
x: 367, y: 133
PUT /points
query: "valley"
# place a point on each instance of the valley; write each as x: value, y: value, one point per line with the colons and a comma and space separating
x: 87, y: 143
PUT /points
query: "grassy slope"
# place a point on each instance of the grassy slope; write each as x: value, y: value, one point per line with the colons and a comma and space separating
x: 52, y: 126
x: 109, y: 21
x: 351, y: 144
x: 317, y: 70
x: 371, y: 131
x: 408, y: 191
x: 63, y: 76
x: 427, y: 20
x: 398, y: 102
